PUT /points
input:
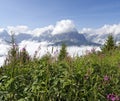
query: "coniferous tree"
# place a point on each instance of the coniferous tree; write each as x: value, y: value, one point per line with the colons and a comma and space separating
x: 109, y: 44
x: 63, y: 52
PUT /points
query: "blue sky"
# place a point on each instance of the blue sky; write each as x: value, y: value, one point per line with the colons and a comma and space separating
x: 40, y: 13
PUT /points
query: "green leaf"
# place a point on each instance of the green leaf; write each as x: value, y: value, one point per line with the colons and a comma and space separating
x: 9, y: 82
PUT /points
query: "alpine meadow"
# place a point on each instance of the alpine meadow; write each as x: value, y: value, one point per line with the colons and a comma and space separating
x: 59, y: 50
x: 92, y: 77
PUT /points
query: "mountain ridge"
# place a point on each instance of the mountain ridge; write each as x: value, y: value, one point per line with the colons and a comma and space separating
x: 72, y: 38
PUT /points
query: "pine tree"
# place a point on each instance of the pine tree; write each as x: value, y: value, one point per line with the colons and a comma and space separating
x: 109, y: 44
x: 63, y: 52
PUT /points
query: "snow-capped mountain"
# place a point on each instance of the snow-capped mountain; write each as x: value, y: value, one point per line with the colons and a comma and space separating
x: 96, y: 38
x: 54, y: 35
x: 100, y: 35
x: 72, y: 38
x: 101, y: 38
x: 4, y: 35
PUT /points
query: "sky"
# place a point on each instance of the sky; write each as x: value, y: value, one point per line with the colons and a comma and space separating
x: 40, y: 13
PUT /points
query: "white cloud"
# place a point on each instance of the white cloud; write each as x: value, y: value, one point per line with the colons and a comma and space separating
x: 1, y: 30
x: 115, y: 29
x: 2, y: 59
x: 17, y: 29
x: 3, y: 52
x: 64, y: 26
x: 39, y: 31
x: 87, y: 30
x: 99, y: 35
x: 35, y: 45
x: 43, y: 48
x: 96, y: 35
x: 106, y: 29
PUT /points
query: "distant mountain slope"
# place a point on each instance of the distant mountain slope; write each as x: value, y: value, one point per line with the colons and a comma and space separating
x: 100, y: 38
x: 72, y: 38
x: 22, y: 36
x: 99, y: 35
x: 4, y: 35
x: 96, y: 38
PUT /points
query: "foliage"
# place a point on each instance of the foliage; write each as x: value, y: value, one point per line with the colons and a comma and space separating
x: 14, y: 55
x: 13, y: 52
x: 93, y: 77
x: 110, y: 44
x: 63, y: 52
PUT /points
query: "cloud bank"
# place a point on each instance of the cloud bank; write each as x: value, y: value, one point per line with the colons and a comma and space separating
x: 60, y: 27
x: 106, y: 29
x: 64, y: 26
x: 17, y: 29
x: 44, y: 30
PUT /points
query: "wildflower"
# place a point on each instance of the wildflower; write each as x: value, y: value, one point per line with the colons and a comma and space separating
x: 23, y: 49
x: 106, y: 78
x: 117, y: 98
x: 113, y: 97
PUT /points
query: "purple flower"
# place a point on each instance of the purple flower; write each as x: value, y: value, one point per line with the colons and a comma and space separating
x: 106, y: 78
x: 108, y: 96
x: 23, y: 49
x: 113, y: 97
x: 117, y: 98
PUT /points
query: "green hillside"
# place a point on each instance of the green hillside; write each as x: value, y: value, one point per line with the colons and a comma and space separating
x: 93, y: 77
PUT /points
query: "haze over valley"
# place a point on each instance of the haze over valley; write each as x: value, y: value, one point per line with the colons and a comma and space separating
x: 64, y: 31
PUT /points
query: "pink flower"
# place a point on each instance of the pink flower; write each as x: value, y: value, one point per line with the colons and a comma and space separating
x: 106, y: 78
x: 23, y: 49
x: 117, y: 98
x: 113, y: 97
